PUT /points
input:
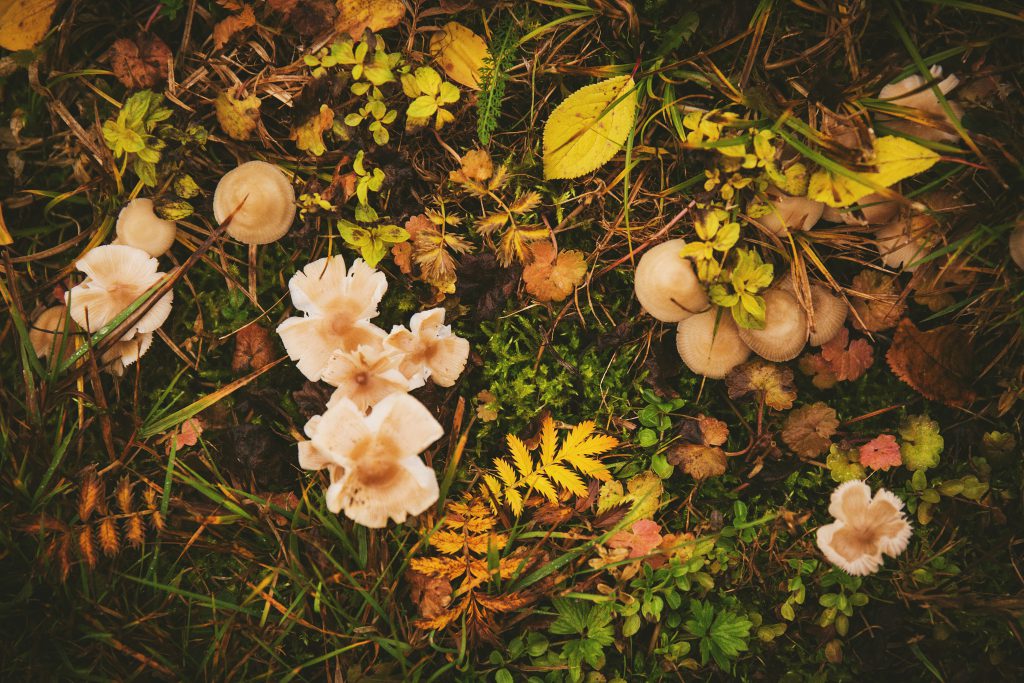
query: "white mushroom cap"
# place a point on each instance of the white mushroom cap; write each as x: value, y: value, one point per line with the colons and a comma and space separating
x: 912, y: 92
x: 117, y: 275
x: 791, y: 213
x: 905, y: 242
x: 785, y: 329
x: 269, y: 202
x: 1017, y: 245
x: 367, y: 375
x: 124, y: 353
x: 372, y: 460
x: 47, y: 332
x: 709, y: 343
x: 138, y: 226
x: 666, y: 285
x: 865, y: 528
x: 429, y: 349
x: 337, y: 303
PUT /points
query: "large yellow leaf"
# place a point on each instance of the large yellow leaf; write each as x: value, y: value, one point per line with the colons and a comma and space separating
x: 23, y: 23
x: 896, y: 158
x: 355, y: 16
x: 460, y: 52
x: 589, y: 127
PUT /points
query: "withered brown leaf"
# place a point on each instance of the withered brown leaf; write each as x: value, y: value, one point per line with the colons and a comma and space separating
x: 551, y: 276
x: 253, y: 349
x: 809, y: 429
x: 936, y: 363
x: 772, y: 383
x: 879, y: 305
x: 140, y: 62
x: 698, y: 460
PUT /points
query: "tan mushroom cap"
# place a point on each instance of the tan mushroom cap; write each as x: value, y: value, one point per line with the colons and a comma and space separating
x: 829, y: 311
x: 873, y: 209
x: 269, y: 202
x: 666, y: 285
x: 903, y: 243
x: 47, y: 332
x: 915, y: 93
x: 791, y: 213
x: 1017, y: 245
x: 709, y: 351
x: 138, y: 226
x: 785, y: 330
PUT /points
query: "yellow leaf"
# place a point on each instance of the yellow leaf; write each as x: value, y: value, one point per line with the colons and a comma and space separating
x: 896, y: 158
x: 460, y: 52
x: 520, y: 455
x: 515, y: 501
x: 592, y: 467
x: 542, y: 486
x: 227, y: 28
x: 23, y: 23
x: 548, y: 441
x: 310, y: 135
x: 5, y: 234
x: 505, y: 471
x: 589, y: 127
x: 567, y: 479
x: 238, y: 117
x: 355, y: 16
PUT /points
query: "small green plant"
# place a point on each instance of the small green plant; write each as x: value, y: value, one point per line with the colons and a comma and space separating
x: 723, y: 634
x: 740, y: 291
x: 429, y: 94
x: 367, y: 180
x: 796, y: 587
x: 380, y: 117
x: 132, y: 135
x: 840, y: 603
x: 592, y: 626
x: 372, y: 241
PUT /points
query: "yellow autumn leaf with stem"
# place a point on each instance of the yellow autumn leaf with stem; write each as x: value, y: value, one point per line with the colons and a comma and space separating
x: 896, y: 159
x: 586, y: 130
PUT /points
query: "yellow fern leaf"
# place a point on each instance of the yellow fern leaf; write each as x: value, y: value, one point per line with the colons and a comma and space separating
x: 448, y: 567
x: 448, y: 542
x: 596, y: 445
x: 520, y: 455
x: 548, y: 441
x: 543, y: 486
x: 566, y: 478
x: 492, y: 484
x: 577, y: 435
x: 590, y: 467
x: 505, y: 471
x: 515, y: 501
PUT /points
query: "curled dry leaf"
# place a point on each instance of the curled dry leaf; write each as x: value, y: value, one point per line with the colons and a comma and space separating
x: 936, y: 363
x: 309, y: 135
x: 253, y: 349
x: 881, y: 453
x: 226, y: 29
x: 698, y: 460
x: 355, y: 16
x: 771, y: 383
x: 880, y: 305
x: 551, y: 276
x: 140, y: 62
x: 237, y: 116
x: 460, y: 52
x: 809, y: 429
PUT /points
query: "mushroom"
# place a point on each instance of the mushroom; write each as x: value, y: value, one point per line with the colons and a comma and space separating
x: 828, y: 311
x: 373, y: 460
x: 429, y: 349
x: 1017, y: 245
x: 367, y: 374
x: 124, y: 353
x: 709, y: 343
x: 791, y: 213
x: 260, y: 200
x: 785, y: 329
x: 117, y: 275
x: 904, y: 242
x: 916, y: 93
x: 337, y: 304
x: 138, y: 226
x: 47, y: 334
x: 666, y: 285
x: 865, y: 528
x: 873, y: 209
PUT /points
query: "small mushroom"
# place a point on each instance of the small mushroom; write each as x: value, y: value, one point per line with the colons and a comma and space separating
x: 916, y: 93
x: 791, y: 213
x: 260, y: 200
x: 373, y: 461
x: 367, y: 375
x: 873, y: 209
x: 124, y: 353
x: 828, y: 310
x: 138, y: 226
x: 117, y: 275
x: 709, y: 343
x: 866, y: 527
x: 904, y: 242
x: 666, y: 285
x: 47, y: 334
x: 1017, y: 245
x: 785, y: 328
x: 429, y: 349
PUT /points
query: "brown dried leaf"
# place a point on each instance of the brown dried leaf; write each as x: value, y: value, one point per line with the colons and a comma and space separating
x: 881, y: 305
x: 86, y: 546
x: 818, y: 369
x: 90, y: 494
x: 771, y: 383
x: 355, y: 16
x: 809, y: 429
x: 713, y: 431
x: 699, y: 461
x: 310, y: 17
x: 431, y: 593
x: 109, y: 541
x: 253, y: 349
x: 140, y: 62
x: 847, y: 360
x: 551, y: 277
x: 936, y: 363
x: 227, y: 28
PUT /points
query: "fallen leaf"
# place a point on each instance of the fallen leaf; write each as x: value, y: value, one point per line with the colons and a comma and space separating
x: 283, y: 6
x: 589, y: 127
x: 895, y: 158
x: 23, y: 23
x: 310, y: 17
x: 188, y: 433
x: 238, y: 117
x: 140, y: 62
x: 642, y: 495
x: 698, y: 460
x: 818, y: 369
x: 713, y: 431
x: 309, y: 136
x: 312, y: 398
x: 402, y: 255
x: 936, y: 364
x: 808, y: 429
x: 881, y: 305
x: 881, y: 453
x: 432, y: 594
x: 355, y: 16
x: 253, y: 349
x: 487, y: 406
x: 551, y: 277
x: 641, y: 539
x: 460, y: 52
x: 227, y: 28
x: 848, y: 360
x: 772, y: 383
x: 476, y: 166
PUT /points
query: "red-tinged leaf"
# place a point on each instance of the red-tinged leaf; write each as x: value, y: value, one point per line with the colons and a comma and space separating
x: 881, y: 453
x: 641, y: 539
x: 848, y: 360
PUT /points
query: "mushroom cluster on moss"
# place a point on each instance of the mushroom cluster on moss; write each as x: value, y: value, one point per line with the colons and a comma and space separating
x: 375, y: 470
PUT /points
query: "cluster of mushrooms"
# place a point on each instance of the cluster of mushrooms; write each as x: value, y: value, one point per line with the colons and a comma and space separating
x: 370, y: 437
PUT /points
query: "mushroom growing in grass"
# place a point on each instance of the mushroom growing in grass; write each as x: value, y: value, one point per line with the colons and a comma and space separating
x: 373, y: 460
x: 124, y: 353
x: 138, y: 226
x: 904, y: 242
x: 117, y: 275
x: 791, y: 213
x: 260, y: 200
x: 785, y: 328
x: 916, y: 93
x: 338, y: 304
x: 47, y: 333
x: 367, y: 375
x: 429, y: 349
x: 709, y: 343
x: 873, y: 209
x: 828, y: 311
x: 866, y: 527
x: 666, y: 285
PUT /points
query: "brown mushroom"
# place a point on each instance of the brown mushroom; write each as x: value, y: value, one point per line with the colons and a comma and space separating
x: 260, y: 200
x: 785, y: 329
x: 666, y: 285
x: 709, y: 343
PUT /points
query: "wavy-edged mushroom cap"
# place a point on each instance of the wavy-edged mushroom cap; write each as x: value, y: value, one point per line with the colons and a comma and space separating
x: 666, y: 285
x: 269, y: 202
x: 708, y: 350
x: 785, y: 328
x: 914, y: 92
x: 791, y: 213
x: 47, y: 332
x: 124, y: 353
x: 138, y: 226
x: 1017, y: 245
